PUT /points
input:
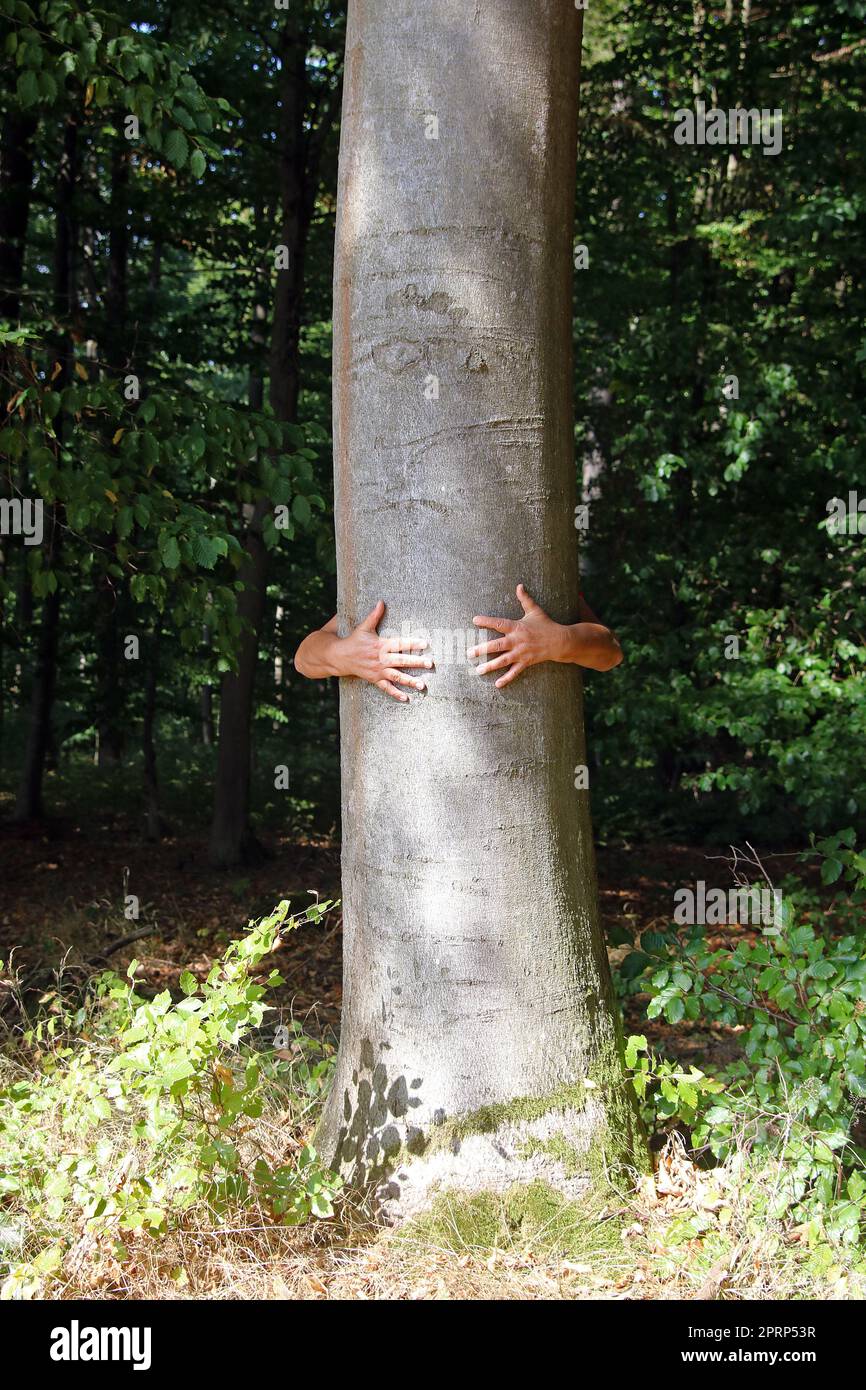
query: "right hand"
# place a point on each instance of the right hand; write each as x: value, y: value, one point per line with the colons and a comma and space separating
x: 383, y: 660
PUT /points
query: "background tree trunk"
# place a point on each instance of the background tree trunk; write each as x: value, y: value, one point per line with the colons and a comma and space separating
x: 205, y: 699
x: 110, y: 694
x: 477, y: 997
x: 16, y: 180
x: 154, y: 825
x: 28, y: 800
x: 231, y: 840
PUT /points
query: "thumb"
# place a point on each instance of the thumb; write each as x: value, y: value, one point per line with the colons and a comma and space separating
x: 373, y: 619
x: 527, y: 603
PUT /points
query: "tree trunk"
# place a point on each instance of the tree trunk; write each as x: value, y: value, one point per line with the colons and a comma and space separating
x: 155, y: 827
x: 205, y: 699
x: 478, y: 1020
x: 109, y: 693
x: 110, y: 689
x: 231, y: 840
x: 16, y: 181
x: 28, y: 801
x: 116, y: 347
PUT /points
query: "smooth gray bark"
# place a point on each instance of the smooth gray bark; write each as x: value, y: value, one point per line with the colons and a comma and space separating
x: 475, y: 972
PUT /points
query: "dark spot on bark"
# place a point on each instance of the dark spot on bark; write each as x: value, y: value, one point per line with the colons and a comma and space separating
x: 415, y: 1141
x: 380, y: 1077
x: 397, y: 356
x: 398, y: 1097
x: 374, y: 1128
x: 437, y: 302
x: 390, y: 1140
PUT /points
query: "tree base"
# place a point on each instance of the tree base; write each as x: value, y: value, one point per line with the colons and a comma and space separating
x: 564, y: 1150
x: 573, y: 1141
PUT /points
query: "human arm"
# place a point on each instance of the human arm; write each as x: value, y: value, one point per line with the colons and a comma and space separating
x: 383, y: 661
x: 536, y: 638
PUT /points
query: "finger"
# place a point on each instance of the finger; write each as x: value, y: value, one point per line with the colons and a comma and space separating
x: 527, y: 602
x: 402, y: 679
x: 489, y: 648
x: 495, y: 624
x: 392, y: 690
x: 374, y: 618
x: 509, y: 676
x: 496, y: 665
x: 424, y: 663
x: 406, y: 644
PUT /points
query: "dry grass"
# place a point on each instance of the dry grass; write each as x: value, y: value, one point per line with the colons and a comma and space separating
x: 641, y: 1255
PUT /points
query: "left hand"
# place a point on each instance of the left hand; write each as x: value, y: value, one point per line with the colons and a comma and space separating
x: 529, y: 641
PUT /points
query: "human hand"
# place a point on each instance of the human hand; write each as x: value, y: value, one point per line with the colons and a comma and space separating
x: 526, y: 642
x: 381, y: 660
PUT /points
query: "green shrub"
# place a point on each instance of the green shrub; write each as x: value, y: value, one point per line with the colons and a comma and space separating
x: 119, y: 1118
x: 796, y: 1096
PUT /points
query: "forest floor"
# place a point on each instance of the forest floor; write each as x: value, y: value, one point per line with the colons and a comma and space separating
x: 63, y: 904
x: 64, y: 891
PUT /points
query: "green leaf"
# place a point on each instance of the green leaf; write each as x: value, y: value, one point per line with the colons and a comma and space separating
x: 633, y: 965
x: 204, y: 551
x: 636, y: 1043
x: 28, y: 88
x: 674, y: 1010
x: 169, y: 551
x: 176, y: 148
x: 149, y: 449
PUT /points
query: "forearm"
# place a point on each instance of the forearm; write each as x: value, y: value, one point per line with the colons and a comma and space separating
x: 320, y: 655
x: 592, y: 645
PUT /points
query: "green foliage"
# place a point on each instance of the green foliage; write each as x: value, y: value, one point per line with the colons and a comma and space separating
x: 118, y: 1120
x: 68, y: 50
x: 132, y: 478
x: 796, y: 1098
x: 708, y: 515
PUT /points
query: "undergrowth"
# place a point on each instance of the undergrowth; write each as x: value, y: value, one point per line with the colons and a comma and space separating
x: 776, y: 1138
x: 124, y: 1117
